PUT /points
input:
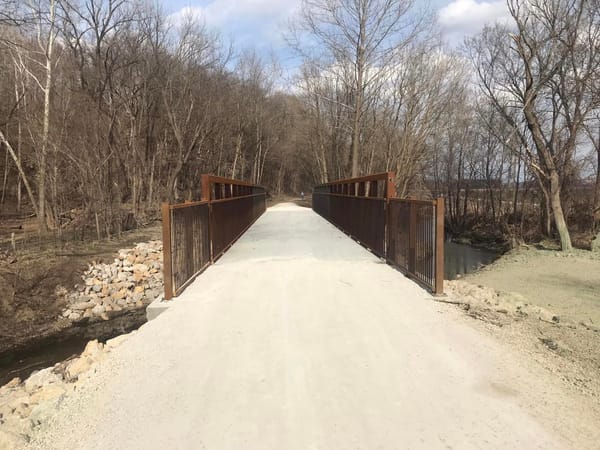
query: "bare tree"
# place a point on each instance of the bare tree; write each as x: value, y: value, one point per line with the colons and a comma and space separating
x: 360, y: 40
x: 417, y: 105
x: 47, y: 48
x: 29, y: 62
x: 544, y: 74
x: 592, y: 129
x: 13, y: 14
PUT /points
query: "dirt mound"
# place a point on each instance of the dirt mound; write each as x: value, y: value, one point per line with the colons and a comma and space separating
x: 512, y: 304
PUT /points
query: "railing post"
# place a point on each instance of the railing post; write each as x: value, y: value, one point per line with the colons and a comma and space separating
x: 207, y: 197
x: 167, y: 255
x: 386, y: 231
x: 412, y: 238
x: 439, y: 247
x: 205, y: 186
x: 390, y: 185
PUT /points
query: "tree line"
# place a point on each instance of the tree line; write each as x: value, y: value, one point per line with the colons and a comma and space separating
x: 506, y: 127
x: 109, y: 108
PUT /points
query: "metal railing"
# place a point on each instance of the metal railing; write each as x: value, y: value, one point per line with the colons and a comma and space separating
x: 408, y: 233
x: 196, y: 234
x: 342, y: 202
x: 234, y: 206
x: 415, y: 240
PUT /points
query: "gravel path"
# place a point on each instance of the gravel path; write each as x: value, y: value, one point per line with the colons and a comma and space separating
x: 298, y: 338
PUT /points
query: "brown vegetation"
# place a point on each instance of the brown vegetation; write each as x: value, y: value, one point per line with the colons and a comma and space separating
x: 108, y: 109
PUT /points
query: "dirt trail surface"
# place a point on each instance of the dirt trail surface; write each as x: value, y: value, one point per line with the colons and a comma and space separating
x: 567, y: 284
x: 299, y: 338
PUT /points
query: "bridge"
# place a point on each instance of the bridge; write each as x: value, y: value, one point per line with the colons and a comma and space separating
x: 292, y: 335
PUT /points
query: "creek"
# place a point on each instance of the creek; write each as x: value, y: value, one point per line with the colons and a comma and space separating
x: 46, y: 351
x: 462, y: 259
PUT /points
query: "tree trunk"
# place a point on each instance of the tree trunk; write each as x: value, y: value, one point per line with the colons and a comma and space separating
x: 19, y: 179
x: 358, y: 101
x: 21, y: 172
x: 516, y: 187
x: 238, y: 152
x: 557, y: 210
x: 5, y: 180
x: 356, y: 136
x: 551, y: 172
x: 546, y: 212
x: 150, y: 197
x: 596, y: 207
x: 46, y: 124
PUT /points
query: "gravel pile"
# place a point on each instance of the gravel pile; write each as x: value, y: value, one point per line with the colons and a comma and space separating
x: 25, y: 405
x: 132, y: 281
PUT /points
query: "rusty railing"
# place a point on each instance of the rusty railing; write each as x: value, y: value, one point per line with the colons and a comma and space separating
x: 415, y: 240
x: 196, y: 234
x: 234, y: 206
x: 342, y: 202
x: 408, y: 233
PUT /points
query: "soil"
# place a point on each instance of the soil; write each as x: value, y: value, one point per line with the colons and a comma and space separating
x: 544, y: 304
x: 567, y: 284
x: 33, y: 277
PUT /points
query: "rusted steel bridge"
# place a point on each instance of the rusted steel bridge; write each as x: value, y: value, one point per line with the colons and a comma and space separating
x: 407, y: 233
x: 296, y: 337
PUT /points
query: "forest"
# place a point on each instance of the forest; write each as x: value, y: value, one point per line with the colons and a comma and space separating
x: 109, y: 107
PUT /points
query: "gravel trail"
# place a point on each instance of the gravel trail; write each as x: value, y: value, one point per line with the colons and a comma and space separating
x: 298, y: 338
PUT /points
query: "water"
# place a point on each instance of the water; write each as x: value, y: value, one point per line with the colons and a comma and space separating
x: 461, y: 259
x: 46, y: 352
x: 21, y: 364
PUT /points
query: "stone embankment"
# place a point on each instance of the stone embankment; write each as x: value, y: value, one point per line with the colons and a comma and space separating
x: 132, y: 281
x: 25, y: 405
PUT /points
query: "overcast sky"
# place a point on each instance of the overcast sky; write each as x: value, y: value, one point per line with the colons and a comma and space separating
x: 260, y: 23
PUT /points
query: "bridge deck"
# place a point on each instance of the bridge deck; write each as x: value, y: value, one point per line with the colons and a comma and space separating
x: 298, y: 338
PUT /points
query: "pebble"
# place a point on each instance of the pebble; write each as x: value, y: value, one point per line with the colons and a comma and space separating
x: 82, y: 306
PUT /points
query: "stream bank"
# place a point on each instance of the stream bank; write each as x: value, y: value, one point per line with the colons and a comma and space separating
x: 47, y: 350
x: 50, y: 308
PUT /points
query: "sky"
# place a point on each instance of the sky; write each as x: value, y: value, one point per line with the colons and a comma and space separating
x: 260, y: 24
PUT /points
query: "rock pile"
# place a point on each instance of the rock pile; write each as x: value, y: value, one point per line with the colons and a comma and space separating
x: 512, y: 304
x: 133, y: 280
x: 26, y: 405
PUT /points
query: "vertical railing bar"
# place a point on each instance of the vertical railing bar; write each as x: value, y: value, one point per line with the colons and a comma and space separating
x: 439, y: 247
x: 411, y: 238
x: 167, y: 254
